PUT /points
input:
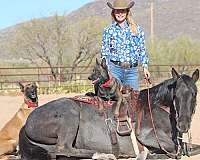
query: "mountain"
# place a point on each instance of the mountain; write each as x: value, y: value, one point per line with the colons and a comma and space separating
x: 171, y: 17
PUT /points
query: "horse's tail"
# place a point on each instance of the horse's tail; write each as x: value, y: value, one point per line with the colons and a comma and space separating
x: 28, y: 150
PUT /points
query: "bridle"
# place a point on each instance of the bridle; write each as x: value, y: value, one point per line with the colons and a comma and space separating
x: 188, y: 136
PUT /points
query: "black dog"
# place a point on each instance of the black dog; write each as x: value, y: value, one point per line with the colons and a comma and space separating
x: 106, y: 87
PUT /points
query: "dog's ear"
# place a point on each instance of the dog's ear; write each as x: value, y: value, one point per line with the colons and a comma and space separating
x: 103, y: 63
x: 97, y: 62
x: 21, y: 86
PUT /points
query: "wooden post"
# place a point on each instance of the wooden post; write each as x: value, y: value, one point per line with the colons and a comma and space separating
x: 152, y: 21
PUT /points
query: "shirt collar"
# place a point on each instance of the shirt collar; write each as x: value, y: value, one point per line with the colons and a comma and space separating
x: 115, y: 24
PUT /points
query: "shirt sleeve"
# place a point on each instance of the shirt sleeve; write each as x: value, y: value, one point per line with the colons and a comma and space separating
x: 143, y: 53
x: 105, y: 51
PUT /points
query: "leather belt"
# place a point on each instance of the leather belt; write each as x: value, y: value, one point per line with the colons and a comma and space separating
x: 124, y: 65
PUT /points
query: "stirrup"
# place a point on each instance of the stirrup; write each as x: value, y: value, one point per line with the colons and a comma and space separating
x: 124, y: 128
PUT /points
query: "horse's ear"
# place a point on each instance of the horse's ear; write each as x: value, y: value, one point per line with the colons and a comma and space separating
x: 195, y: 75
x: 103, y: 63
x: 21, y: 86
x: 175, y: 74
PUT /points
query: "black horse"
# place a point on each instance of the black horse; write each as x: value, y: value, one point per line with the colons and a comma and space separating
x: 66, y: 128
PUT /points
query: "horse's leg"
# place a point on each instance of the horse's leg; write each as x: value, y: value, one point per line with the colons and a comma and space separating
x: 66, y: 142
x: 67, y: 134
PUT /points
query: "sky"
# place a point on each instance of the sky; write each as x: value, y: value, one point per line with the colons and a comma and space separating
x: 16, y: 11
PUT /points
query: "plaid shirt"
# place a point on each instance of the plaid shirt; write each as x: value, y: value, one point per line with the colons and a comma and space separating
x: 120, y: 44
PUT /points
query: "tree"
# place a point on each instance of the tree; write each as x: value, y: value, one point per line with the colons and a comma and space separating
x: 43, y: 41
x: 87, y: 41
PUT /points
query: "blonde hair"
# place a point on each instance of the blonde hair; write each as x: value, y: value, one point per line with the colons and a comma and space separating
x: 131, y: 22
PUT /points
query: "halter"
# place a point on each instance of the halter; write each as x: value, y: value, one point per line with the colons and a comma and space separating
x: 188, y: 136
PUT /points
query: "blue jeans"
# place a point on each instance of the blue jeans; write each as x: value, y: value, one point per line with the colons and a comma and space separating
x: 125, y: 76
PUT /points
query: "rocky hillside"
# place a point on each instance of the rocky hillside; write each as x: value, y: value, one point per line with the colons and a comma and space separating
x: 171, y: 17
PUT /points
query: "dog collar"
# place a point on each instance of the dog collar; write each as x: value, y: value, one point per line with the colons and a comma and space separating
x: 30, y: 103
x: 106, y: 84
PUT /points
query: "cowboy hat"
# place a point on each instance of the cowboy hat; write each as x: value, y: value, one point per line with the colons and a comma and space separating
x: 121, y: 4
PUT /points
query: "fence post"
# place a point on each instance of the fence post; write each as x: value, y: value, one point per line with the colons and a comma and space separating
x: 59, y: 72
x: 1, y: 85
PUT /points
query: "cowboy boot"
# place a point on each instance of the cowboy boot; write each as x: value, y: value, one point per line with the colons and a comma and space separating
x: 134, y: 105
x: 123, y: 126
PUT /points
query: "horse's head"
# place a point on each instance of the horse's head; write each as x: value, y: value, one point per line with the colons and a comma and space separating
x: 29, y: 91
x: 184, y: 99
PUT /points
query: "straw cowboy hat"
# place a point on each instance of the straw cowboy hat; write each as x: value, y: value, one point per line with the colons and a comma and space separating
x: 121, y: 4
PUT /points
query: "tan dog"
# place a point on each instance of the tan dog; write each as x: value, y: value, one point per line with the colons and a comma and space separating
x: 9, y: 134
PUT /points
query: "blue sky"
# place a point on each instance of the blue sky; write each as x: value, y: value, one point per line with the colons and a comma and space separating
x: 16, y: 11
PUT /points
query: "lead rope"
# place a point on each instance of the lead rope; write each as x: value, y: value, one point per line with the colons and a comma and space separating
x: 154, y: 128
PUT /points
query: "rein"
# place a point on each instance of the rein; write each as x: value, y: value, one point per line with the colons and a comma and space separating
x: 154, y: 128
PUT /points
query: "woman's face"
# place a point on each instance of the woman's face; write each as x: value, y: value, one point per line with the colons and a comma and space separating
x: 120, y: 15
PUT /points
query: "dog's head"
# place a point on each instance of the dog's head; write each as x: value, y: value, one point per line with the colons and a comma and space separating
x: 99, y: 74
x: 30, y: 93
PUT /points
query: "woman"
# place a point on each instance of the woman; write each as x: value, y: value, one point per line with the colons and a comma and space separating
x: 123, y: 45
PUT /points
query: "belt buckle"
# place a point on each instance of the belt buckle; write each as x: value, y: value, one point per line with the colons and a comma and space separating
x: 125, y: 65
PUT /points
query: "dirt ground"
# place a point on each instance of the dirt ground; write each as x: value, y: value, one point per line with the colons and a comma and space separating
x: 10, y: 104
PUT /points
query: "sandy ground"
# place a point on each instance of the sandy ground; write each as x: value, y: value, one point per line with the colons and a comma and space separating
x: 10, y: 104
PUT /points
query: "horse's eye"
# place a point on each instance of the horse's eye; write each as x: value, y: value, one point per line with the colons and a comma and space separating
x: 194, y: 100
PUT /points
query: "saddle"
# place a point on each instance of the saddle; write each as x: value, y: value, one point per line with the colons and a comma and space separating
x: 126, y: 116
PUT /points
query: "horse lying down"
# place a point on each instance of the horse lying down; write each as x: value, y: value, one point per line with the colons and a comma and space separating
x: 9, y: 134
x: 69, y: 129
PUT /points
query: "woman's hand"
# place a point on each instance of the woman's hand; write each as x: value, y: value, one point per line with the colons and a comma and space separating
x: 146, y: 73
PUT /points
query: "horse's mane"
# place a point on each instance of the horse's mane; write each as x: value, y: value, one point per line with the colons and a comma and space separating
x: 161, y: 93
x: 189, y: 82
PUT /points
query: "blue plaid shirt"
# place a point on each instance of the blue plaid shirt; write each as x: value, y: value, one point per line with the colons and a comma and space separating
x: 120, y: 44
